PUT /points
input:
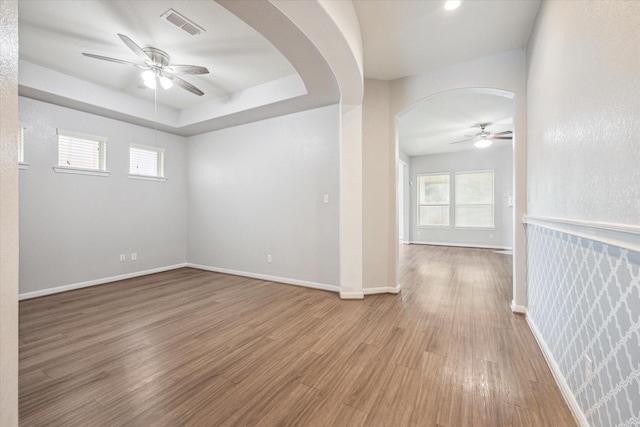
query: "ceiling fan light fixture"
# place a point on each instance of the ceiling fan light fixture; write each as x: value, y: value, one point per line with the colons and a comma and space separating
x: 452, y: 4
x: 156, y: 65
x: 149, y: 79
x: 150, y: 83
x: 166, y: 82
x: 483, y: 143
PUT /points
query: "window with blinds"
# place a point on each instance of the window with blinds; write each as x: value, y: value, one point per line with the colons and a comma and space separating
x: 81, y: 151
x: 474, y: 199
x: 146, y: 161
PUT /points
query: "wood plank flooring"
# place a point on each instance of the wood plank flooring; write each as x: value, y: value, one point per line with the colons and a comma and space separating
x: 189, y: 347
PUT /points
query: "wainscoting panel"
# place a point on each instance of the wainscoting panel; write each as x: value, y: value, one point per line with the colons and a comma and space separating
x: 584, y: 303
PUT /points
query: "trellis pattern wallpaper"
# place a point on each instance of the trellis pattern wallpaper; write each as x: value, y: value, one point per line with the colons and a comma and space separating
x: 584, y: 299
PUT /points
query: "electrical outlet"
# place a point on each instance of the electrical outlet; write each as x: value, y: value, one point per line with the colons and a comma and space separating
x: 491, y: 236
x: 588, y: 368
x: 326, y: 198
x: 268, y: 258
x: 123, y: 257
x: 134, y: 256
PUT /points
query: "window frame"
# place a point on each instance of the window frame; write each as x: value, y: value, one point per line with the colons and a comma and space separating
x: 419, y: 205
x: 102, y: 158
x: 160, y: 167
x: 493, y: 201
x: 21, y: 163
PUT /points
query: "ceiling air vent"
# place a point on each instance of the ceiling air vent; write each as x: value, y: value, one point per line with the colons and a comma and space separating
x: 173, y: 17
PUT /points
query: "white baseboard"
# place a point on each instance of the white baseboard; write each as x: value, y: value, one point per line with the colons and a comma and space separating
x: 574, y: 407
x: 102, y: 281
x: 520, y: 309
x: 381, y: 290
x: 286, y: 280
x: 351, y: 295
x: 459, y: 245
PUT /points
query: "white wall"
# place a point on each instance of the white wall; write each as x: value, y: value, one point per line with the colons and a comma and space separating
x: 73, y: 227
x: 584, y: 105
x: 497, y: 159
x: 505, y: 71
x: 258, y: 189
x: 8, y: 214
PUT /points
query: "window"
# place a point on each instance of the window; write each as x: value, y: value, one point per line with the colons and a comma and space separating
x: 81, y: 152
x: 145, y: 161
x: 21, y: 163
x: 474, y: 199
x: 433, y: 200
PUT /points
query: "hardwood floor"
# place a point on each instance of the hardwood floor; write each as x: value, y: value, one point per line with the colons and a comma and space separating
x: 190, y: 347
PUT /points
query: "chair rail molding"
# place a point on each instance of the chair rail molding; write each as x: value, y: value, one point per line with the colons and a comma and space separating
x: 625, y: 236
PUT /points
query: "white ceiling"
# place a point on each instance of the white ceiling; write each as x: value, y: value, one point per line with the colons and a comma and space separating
x: 403, y: 38
x: 431, y: 127
x: 400, y: 38
x: 55, y: 33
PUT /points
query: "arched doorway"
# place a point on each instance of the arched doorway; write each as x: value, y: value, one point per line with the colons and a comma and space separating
x: 436, y: 136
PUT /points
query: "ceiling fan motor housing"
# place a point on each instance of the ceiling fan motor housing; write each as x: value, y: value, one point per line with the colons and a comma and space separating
x: 159, y: 58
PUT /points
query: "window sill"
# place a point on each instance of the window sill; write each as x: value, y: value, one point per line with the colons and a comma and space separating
x: 78, y: 171
x: 476, y: 228
x: 147, y: 178
x: 434, y: 226
x: 23, y: 166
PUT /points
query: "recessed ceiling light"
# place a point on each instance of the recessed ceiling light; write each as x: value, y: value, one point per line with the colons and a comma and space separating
x: 452, y: 4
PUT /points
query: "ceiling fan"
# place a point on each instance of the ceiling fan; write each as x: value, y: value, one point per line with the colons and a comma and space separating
x: 485, y: 138
x: 157, y: 66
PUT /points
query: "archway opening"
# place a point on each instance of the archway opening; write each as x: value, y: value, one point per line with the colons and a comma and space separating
x: 460, y: 187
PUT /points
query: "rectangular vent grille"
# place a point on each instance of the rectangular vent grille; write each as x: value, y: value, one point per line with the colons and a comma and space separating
x: 174, y: 18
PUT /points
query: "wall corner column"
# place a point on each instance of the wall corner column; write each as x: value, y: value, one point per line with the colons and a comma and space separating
x: 351, y: 204
x: 8, y: 213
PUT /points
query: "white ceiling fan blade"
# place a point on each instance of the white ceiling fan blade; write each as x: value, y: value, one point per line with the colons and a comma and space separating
x: 186, y: 69
x: 185, y: 85
x: 135, y: 48
x: 506, y: 132
x: 117, y: 61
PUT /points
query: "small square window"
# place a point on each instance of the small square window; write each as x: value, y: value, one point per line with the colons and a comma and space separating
x: 146, y: 161
x: 82, y: 151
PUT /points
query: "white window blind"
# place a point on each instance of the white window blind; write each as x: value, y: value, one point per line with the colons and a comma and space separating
x: 146, y: 161
x: 81, y: 151
x: 474, y: 199
x: 433, y: 200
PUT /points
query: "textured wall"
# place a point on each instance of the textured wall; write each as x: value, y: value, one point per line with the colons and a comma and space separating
x: 584, y: 298
x: 8, y: 213
x: 74, y: 227
x: 583, y: 109
x: 583, y: 86
x: 257, y: 189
